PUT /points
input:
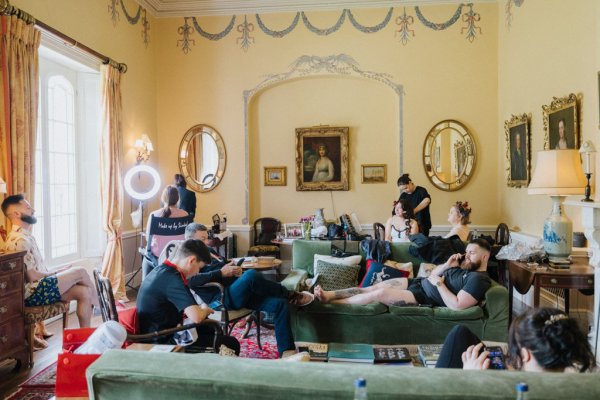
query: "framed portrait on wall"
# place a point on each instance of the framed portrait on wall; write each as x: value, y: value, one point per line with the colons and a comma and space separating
x: 518, y: 151
x: 561, y: 123
x: 322, y: 158
x: 275, y: 176
x: 373, y: 173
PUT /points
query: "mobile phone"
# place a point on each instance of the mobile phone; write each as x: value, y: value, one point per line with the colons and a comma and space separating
x: 461, y: 258
x: 496, y: 357
x: 240, y: 262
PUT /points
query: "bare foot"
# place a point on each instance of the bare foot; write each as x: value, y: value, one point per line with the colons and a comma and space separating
x: 323, y: 296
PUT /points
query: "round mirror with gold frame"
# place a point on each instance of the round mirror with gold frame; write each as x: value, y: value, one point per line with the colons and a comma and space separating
x: 449, y: 155
x: 202, y: 158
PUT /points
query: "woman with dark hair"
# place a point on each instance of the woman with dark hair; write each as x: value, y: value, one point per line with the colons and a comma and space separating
x: 187, y: 198
x: 459, y: 219
x: 402, y: 224
x: 542, y: 339
x: 419, y: 199
x: 324, y: 170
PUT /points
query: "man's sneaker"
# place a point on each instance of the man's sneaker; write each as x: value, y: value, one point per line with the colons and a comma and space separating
x: 301, y: 299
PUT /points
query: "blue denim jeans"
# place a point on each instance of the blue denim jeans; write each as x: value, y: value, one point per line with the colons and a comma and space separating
x: 253, y: 291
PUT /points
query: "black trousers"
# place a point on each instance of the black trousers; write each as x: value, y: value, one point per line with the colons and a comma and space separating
x: 457, y: 341
x: 206, y: 338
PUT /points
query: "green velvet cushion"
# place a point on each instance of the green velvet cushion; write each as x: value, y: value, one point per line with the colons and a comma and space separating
x: 346, y: 309
x: 303, y: 253
x: 474, y: 312
x: 424, y: 311
x: 336, y: 276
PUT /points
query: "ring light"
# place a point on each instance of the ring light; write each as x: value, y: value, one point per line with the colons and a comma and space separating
x: 142, y: 195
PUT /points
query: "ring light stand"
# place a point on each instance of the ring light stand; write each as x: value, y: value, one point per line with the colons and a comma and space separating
x: 141, y: 196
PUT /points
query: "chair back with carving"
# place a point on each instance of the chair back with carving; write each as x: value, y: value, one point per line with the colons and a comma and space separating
x: 265, y: 230
x: 502, y: 237
x: 106, y: 298
x: 379, y: 231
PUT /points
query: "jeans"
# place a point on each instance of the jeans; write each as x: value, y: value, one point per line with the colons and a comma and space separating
x: 457, y: 341
x: 253, y: 291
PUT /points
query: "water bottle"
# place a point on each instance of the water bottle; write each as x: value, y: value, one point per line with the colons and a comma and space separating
x: 109, y: 335
x: 360, y: 389
x: 522, y: 391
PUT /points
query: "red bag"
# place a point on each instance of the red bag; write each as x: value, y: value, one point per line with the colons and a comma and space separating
x: 70, y: 367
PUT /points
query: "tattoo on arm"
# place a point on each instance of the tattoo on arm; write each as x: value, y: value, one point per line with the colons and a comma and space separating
x: 345, y: 293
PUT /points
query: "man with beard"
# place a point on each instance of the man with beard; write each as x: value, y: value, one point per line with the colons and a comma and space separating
x: 43, y: 287
x: 455, y: 284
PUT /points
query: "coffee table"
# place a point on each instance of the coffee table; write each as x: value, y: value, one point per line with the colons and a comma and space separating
x: 264, y: 266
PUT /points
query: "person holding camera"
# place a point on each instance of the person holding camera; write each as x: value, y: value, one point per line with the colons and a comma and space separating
x: 542, y: 339
x: 402, y: 224
x: 459, y: 283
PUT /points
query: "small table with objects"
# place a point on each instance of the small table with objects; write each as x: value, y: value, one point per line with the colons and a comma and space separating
x: 522, y: 276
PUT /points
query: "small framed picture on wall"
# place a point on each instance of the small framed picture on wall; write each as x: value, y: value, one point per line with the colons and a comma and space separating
x: 275, y: 176
x: 518, y: 153
x: 373, y: 173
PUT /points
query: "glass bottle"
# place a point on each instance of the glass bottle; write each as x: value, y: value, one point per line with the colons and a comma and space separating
x: 360, y: 389
x: 522, y: 391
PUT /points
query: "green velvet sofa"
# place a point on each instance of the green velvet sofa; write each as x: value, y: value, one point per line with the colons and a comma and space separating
x: 379, y: 324
x: 137, y: 375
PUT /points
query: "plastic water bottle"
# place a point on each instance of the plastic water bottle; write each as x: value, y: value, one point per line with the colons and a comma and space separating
x: 522, y: 391
x: 360, y: 389
x: 109, y: 335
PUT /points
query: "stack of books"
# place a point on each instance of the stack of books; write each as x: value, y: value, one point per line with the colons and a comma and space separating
x: 351, y: 352
x: 429, y: 354
x: 392, y: 355
x: 317, y: 351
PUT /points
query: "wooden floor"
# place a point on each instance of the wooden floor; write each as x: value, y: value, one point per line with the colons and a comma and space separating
x: 9, y: 381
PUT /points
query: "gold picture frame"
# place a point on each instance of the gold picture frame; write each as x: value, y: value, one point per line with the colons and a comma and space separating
x: 373, y: 173
x: 518, y: 150
x: 561, y: 123
x: 322, y: 158
x: 275, y: 176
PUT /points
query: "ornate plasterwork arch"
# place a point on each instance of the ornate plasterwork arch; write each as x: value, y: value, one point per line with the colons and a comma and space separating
x: 340, y: 64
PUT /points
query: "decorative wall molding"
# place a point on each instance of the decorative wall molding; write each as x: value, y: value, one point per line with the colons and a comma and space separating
x: 509, y: 12
x: 340, y: 64
x: 140, y: 15
x: 469, y: 17
x: 183, y: 8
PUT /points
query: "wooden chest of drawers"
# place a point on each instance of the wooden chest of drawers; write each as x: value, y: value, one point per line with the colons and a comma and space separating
x: 13, y: 339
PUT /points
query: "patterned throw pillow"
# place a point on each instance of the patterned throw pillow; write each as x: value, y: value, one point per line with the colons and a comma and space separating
x: 378, y: 273
x: 336, y: 276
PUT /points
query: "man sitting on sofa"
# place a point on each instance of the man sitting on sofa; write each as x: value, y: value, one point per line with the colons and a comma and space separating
x: 458, y: 284
x: 248, y: 290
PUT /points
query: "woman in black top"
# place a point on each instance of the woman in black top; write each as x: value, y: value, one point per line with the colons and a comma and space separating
x: 418, y: 197
x: 187, y: 198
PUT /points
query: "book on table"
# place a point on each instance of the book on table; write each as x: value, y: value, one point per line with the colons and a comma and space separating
x: 317, y: 351
x: 429, y: 354
x: 391, y: 354
x: 350, y: 352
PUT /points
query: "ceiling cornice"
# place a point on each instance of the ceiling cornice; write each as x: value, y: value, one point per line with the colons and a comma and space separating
x: 186, y: 8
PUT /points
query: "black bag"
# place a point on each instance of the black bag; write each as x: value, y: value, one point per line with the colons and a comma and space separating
x: 334, y: 231
x: 341, y: 249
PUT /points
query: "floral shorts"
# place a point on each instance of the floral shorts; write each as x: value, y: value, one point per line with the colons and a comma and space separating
x: 45, y: 293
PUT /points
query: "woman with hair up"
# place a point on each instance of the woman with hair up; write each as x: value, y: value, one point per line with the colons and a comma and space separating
x: 419, y: 199
x: 187, y: 198
x: 459, y: 219
x: 169, y: 199
x: 542, y: 339
x: 324, y: 170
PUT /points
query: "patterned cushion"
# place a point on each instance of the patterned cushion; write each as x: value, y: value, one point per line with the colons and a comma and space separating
x: 336, y: 276
x: 264, y: 248
x: 42, y: 313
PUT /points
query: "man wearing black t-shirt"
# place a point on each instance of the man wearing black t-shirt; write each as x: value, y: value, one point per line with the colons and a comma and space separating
x: 455, y: 284
x: 419, y: 198
x: 164, y: 295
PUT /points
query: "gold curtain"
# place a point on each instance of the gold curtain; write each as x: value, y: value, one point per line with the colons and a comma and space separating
x: 111, y: 188
x: 19, y: 104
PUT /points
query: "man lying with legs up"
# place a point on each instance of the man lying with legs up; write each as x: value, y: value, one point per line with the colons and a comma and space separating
x: 457, y: 284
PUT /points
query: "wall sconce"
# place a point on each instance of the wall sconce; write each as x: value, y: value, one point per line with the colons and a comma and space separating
x: 587, y: 151
x: 143, y: 147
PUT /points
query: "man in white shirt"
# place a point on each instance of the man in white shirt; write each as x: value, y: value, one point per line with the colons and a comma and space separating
x: 42, y: 287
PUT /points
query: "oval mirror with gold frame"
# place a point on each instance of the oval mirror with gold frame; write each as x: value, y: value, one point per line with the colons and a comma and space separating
x: 449, y: 155
x: 202, y: 158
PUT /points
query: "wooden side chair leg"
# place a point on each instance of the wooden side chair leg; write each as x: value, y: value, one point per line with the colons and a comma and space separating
x: 30, y: 339
x: 257, y: 312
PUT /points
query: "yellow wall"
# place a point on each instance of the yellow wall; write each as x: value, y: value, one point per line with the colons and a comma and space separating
x: 444, y: 76
x: 89, y: 23
x: 551, y: 50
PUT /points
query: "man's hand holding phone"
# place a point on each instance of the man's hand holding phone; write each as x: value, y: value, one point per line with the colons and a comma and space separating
x: 229, y: 270
x: 455, y: 260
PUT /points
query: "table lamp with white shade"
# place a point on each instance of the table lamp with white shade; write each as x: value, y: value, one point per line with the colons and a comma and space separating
x: 558, y: 173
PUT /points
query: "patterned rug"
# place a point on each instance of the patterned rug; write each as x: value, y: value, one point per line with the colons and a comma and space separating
x: 41, y: 386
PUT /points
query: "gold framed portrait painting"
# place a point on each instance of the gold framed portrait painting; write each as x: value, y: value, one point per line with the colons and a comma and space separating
x: 561, y: 123
x: 275, y: 176
x: 518, y: 151
x: 322, y: 158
